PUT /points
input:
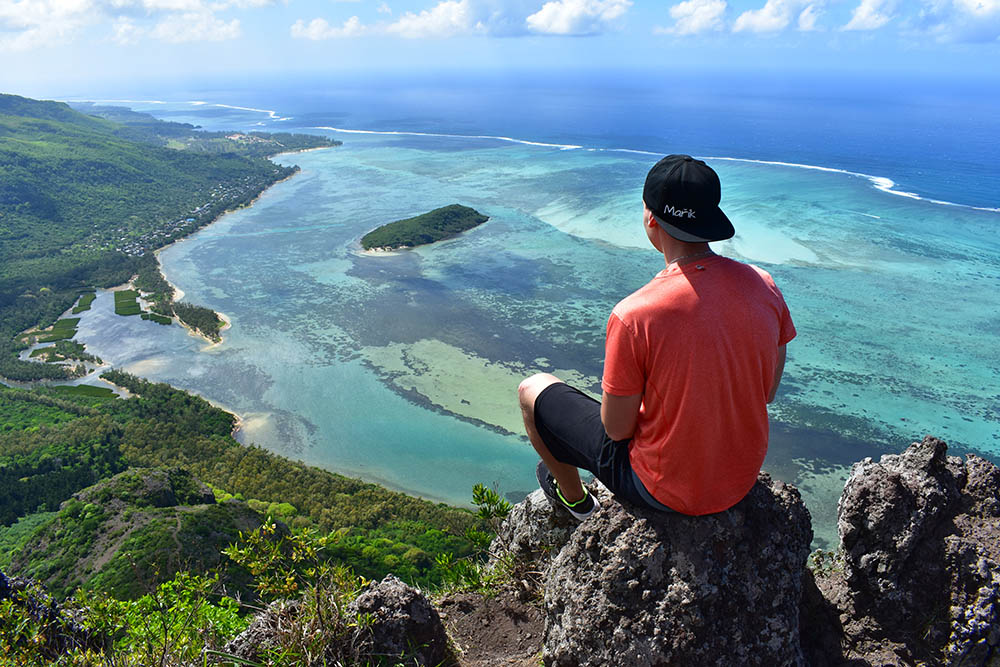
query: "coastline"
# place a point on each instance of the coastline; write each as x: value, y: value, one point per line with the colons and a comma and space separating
x: 179, y: 293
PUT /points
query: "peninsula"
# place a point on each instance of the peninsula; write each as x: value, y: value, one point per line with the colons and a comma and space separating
x: 427, y: 228
x: 88, y: 197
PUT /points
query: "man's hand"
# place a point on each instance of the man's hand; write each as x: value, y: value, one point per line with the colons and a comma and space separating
x: 620, y: 415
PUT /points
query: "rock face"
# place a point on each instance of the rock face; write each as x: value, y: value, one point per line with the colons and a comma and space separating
x: 405, y: 629
x: 636, y: 587
x: 533, y: 531
x: 920, y: 575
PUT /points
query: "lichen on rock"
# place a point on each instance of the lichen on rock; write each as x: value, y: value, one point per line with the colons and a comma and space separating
x: 920, y: 575
x: 639, y: 587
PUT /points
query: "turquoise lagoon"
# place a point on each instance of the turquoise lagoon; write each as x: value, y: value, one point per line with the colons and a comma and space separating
x: 402, y: 368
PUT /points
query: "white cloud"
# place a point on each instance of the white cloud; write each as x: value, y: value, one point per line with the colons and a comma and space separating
x: 695, y: 16
x: 195, y: 27
x: 807, y: 19
x: 28, y: 24
x: 973, y: 21
x: 126, y: 32
x: 318, y: 29
x: 446, y: 19
x: 450, y: 18
x: 871, y: 15
x: 979, y: 7
x: 170, y: 5
x: 772, y: 17
x: 576, y: 17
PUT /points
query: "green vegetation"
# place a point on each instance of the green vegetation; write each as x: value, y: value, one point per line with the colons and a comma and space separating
x: 41, y: 468
x: 427, y: 228
x: 136, y: 529
x: 155, y: 288
x: 14, y: 537
x: 204, y: 320
x: 174, y: 624
x: 84, y: 303
x: 188, y: 617
x: 26, y: 411
x: 146, y: 128
x: 85, y: 390
x: 64, y: 350
x: 63, y: 329
x: 84, y: 201
x: 159, y: 319
x: 100, y: 497
x: 126, y: 303
x: 90, y: 437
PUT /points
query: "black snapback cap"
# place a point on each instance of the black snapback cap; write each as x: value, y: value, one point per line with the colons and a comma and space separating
x: 683, y: 195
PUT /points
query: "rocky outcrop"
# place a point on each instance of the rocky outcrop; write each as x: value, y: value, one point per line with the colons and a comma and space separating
x: 637, y: 587
x: 918, y: 579
x: 33, y: 618
x: 534, y: 532
x: 403, y: 627
x: 389, y: 623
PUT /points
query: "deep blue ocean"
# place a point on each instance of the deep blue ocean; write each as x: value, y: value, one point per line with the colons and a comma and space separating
x: 874, y: 203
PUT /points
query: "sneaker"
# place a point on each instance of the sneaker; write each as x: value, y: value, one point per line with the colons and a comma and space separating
x: 580, y: 510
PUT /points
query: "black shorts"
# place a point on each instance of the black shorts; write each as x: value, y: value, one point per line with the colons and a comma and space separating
x: 569, y: 423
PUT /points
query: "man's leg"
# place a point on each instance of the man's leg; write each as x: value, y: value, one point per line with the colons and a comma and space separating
x: 566, y: 475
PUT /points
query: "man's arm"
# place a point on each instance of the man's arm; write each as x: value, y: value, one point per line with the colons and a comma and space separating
x: 620, y: 415
x: 779, y: 368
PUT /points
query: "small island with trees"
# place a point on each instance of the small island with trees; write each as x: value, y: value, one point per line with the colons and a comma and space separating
x: 427, y: 228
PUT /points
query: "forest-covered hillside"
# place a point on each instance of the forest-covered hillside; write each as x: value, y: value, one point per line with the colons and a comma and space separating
x: 54, y: 443
x: 84, y: 199
x: 103, y: 499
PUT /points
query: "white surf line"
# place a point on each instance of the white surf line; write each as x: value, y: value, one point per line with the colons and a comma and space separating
x: 273, y: 115
x: 880, y: 182
x: 122, y: 101
x: 565, y: 147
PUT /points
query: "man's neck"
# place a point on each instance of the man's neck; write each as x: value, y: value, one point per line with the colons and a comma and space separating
x: 681, y: 252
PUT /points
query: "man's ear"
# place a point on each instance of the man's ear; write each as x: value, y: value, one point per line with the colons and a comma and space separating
x: 647, y: 216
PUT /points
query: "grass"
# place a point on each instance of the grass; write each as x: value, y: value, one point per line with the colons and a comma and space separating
x: 159, y: 319
x: 125, y: 302
x: 84, y: 304
x: 63, y: 329
x: 49, y: 353
x: 87, y: 390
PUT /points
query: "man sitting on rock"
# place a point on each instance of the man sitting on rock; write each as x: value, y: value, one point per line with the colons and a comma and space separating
x: 691, y: 361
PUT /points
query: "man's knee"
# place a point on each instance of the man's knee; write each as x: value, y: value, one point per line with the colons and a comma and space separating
x: 531, y: 387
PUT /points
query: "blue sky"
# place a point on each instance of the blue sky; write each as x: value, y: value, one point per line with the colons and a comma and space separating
x: 53, y: 46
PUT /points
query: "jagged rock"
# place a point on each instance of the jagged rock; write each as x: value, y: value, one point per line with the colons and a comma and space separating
x: 534, y: 531
x: 636, y: 587
x: 405, y: 629
x: 402, y: 628
x: 920, y: 573
x: 59, y: 631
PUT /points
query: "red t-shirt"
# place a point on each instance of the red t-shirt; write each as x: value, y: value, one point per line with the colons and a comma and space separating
x: 700, y: 343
